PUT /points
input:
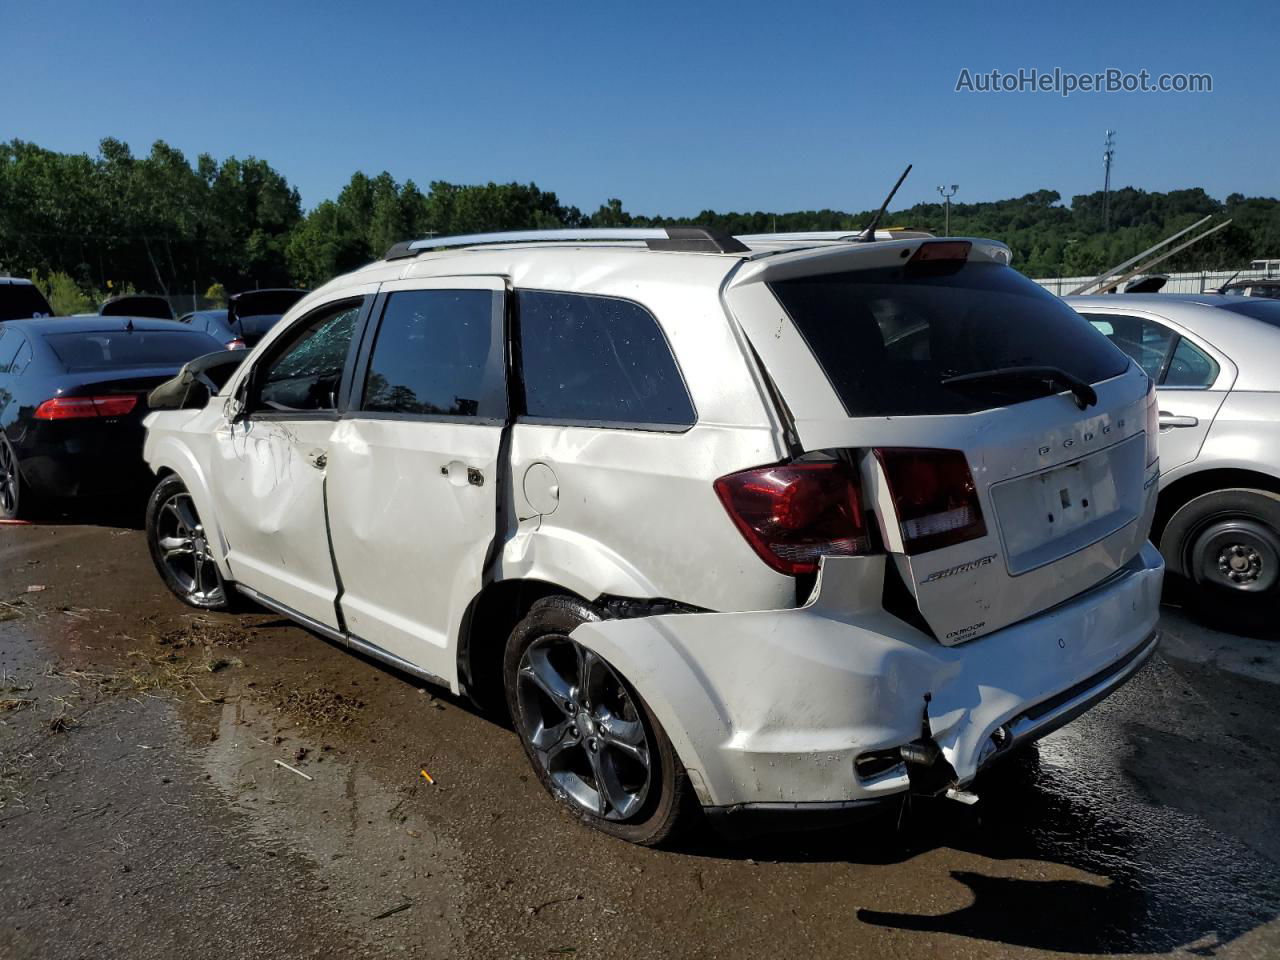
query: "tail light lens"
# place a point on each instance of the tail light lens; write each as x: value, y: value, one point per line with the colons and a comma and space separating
x: 84, y: 408
x: 1153, y: 425
x: 795, y: 514
x: 237, y: 344
x: 934, y: 495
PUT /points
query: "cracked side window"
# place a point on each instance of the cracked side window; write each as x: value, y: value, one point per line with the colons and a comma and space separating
x: 306, y: 374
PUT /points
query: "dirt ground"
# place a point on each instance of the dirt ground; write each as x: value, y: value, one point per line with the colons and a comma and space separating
x: 146, y: 809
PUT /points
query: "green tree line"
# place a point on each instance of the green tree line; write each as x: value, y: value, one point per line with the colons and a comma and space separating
x: 160, y: 223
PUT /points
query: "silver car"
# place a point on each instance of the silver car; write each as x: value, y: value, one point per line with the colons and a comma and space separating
x: 1216, y: 362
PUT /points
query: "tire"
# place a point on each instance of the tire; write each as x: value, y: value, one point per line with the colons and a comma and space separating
x: 180, y: 550
x: 575, y: 746
x: 1225, y: 546
x: 16, y: 498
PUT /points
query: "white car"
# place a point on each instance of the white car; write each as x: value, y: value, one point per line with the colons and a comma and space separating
x: 783, y: 526
x: 1216, y: 363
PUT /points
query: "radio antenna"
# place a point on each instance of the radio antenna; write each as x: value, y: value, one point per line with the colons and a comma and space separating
x: 869, y: 234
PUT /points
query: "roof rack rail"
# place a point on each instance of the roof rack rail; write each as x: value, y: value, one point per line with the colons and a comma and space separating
x: 692, y: 239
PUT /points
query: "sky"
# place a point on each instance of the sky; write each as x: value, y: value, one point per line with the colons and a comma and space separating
x: 671, y: 107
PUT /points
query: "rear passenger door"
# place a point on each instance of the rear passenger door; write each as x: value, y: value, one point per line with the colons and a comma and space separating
x: 412, y: 472
x: 1190, y: 381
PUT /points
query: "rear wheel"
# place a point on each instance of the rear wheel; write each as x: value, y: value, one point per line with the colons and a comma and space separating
x: 180, y: 547
x: 594, y: 744
x: 12, y: 495
x: 1226, y: 544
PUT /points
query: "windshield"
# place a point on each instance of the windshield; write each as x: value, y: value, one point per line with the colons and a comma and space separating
x: 888, y: 338
x: 105, y: 349
x: 21, y: 300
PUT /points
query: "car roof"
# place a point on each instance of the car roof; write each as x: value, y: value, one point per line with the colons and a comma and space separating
x: 617, y: 263
x: 16, y: 281
x: 91, y: 324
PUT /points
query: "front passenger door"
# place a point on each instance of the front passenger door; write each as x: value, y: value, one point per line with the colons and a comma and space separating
x: 268, y: 464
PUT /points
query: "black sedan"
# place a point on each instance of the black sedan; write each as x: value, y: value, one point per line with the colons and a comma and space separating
x: 73, y: 394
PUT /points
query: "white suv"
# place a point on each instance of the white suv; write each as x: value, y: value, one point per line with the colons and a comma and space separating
x: 764, y: 525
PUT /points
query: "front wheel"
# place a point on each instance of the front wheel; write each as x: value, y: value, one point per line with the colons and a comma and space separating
x: 1226, y: 545
x: 594, y: 744
x: 180, y: 547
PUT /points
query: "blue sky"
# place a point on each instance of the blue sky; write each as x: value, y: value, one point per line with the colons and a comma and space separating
x: 672, y: 107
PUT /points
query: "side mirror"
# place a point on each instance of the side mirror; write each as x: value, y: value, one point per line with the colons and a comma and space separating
x: 197, y: 382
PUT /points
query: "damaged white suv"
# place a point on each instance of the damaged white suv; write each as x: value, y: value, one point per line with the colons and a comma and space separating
x: 763, y: 525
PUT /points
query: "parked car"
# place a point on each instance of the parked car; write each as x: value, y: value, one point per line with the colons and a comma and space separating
x: 21, y: 298
x: 137, y: 305
x: 1270, y: 289
x: 72, y: 402
x: 783, y: 529
x: 1216, y: 362
x: 248, y: 317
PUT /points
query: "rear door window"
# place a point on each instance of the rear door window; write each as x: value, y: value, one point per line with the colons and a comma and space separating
x: 436, y: 354
x: 598, y: 360
x: 21, y: 300
x: 888, y: 338
x: 1190, y: 367
x: 1142, y: 338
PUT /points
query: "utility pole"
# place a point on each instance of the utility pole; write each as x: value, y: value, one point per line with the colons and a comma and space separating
x: 1108, y: 151
x: 946, y: 199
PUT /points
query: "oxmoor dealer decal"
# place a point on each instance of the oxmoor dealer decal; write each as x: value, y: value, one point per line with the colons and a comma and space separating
x: 959, y: 568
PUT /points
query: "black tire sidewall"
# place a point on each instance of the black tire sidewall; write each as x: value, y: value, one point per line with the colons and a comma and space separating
x: 1233, y: 607
x: 21, y: 496
x: 663, y: 807
x: 165, y: 489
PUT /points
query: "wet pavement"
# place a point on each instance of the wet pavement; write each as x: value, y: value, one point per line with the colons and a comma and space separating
x: 148, y: 809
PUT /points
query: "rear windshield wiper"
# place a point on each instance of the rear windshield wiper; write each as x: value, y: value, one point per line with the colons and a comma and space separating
x: 1084, y: 394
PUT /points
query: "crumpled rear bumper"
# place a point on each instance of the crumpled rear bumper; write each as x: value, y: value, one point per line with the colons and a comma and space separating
x: 771, y: 709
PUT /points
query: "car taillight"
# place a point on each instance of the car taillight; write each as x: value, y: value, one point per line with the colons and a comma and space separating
x: 1153, y: 425
x: 794, y: 514
x: 81, y: 408
x: 934, y: 495
x: 237, y: 344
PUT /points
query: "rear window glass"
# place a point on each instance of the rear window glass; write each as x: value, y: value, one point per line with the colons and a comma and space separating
x: 587, y: 359
x: 888, y: 338
x: 21, y: 300
x: 100, y: 349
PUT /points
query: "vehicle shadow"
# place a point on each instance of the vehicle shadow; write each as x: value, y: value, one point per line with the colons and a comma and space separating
x: 126, y: 511
x: 1153, y: 885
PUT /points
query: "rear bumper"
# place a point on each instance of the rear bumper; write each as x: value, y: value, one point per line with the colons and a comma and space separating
x: 81, y: 459
x: 770, y: 710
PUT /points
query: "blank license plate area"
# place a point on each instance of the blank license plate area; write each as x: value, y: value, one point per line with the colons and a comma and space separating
x: 1049, y: 515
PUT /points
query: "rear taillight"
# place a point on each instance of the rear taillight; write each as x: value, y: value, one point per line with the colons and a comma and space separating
x: 82, y: 408
x: 936, y: 250
x: 1153, y: 425
x: 794, y: 514
x: 237, y: 344
x: 934, y: 495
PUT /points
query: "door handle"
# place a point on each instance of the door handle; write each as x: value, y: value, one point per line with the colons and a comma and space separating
x: 1168, y: 420
x: 459, y: 473
x: 318, y: 458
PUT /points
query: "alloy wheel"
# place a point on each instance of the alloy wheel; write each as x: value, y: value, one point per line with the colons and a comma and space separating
x: 184, y: 550
x: 584, y: 727
x: 8, y: 480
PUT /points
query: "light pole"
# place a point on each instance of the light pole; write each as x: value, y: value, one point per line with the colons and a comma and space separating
x: 1108, y: 151
x: 946, y: 198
